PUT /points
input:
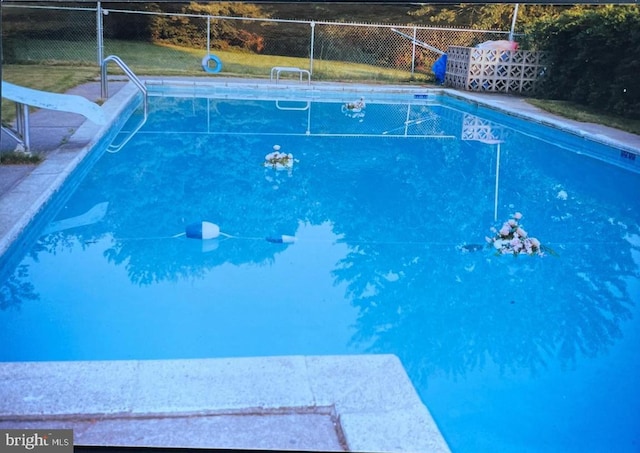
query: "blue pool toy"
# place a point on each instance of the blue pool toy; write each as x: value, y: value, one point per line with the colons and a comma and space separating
x: 205, y: 64
x: 440, y: 68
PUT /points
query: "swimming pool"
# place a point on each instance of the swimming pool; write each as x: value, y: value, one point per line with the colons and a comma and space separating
x: 389, y: 207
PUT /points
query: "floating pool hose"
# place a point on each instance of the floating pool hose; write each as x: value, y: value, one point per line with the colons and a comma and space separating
x: 207, y: 230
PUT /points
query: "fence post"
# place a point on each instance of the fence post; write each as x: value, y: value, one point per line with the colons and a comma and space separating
x: 413, y: 50
x: 99, y: 37
x: 1, y: 61
x: 313, y: 37
x: 208, y: 35
x: 104, y: 89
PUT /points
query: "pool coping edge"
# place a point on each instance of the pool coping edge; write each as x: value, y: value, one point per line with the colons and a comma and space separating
x: 534, y: 114
x: 371, y: 396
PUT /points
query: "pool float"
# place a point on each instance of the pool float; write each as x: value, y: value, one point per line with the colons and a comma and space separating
x: 355, y: 106
x: 278, y: 160
x: 203, y: 230
x: 208, y: 230
x: 205, y: 64
x: 354, y: 109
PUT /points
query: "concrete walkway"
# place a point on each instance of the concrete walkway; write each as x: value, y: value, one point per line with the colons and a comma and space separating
x: 49, y: 130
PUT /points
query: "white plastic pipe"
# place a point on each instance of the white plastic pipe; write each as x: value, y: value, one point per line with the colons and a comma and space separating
x: 513, y: 21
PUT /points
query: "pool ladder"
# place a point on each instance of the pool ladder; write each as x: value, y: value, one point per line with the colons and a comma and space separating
x: 105, y: 94
x: 134, y: 78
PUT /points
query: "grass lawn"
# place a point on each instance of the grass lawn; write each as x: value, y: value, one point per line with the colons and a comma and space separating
x: 166, y: 59
x: 146, y: 58
x: 19, y: 158
x: 581, y: 113
x: 56, y: 73
x: 57, y: 79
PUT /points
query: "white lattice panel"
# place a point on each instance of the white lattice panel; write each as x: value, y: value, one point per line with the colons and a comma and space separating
x: 504, y: 71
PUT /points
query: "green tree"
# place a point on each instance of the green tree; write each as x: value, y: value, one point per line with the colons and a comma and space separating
x: 471, y: 15
x: 487, y: 16
x: 191, y: 31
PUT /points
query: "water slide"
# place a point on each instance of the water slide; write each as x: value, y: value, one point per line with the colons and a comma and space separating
x: 25, y: 97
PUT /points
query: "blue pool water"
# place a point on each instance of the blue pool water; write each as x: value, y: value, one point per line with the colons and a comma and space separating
x: 510, y: 354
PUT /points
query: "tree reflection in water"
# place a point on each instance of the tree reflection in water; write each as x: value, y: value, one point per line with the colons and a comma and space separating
x: 16, y: 289
x: 521, y: 312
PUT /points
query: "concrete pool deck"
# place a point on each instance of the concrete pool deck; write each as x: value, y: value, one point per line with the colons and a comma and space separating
x: 328, y: 403
x: 359, y: 403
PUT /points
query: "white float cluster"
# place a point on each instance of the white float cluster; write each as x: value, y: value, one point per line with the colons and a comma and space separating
x: 278, y: 160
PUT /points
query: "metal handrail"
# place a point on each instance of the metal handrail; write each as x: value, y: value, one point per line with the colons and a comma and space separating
x: 307, y: 105
x: 134, y: 78
x: 113, y: 148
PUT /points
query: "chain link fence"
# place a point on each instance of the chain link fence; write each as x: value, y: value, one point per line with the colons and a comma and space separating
x: 153, y: 43
x: 48, y: 36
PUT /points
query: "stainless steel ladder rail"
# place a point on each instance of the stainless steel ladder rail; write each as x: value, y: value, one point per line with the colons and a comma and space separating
x: 21, y: 132
x: 113, y: 148
x: 307, y: 105
x: 134, y: 78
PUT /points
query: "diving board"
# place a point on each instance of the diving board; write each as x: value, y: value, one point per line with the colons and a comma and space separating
x: 25, y: 97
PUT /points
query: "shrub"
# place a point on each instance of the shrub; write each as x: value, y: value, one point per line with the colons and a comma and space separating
x: 593, y: 57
